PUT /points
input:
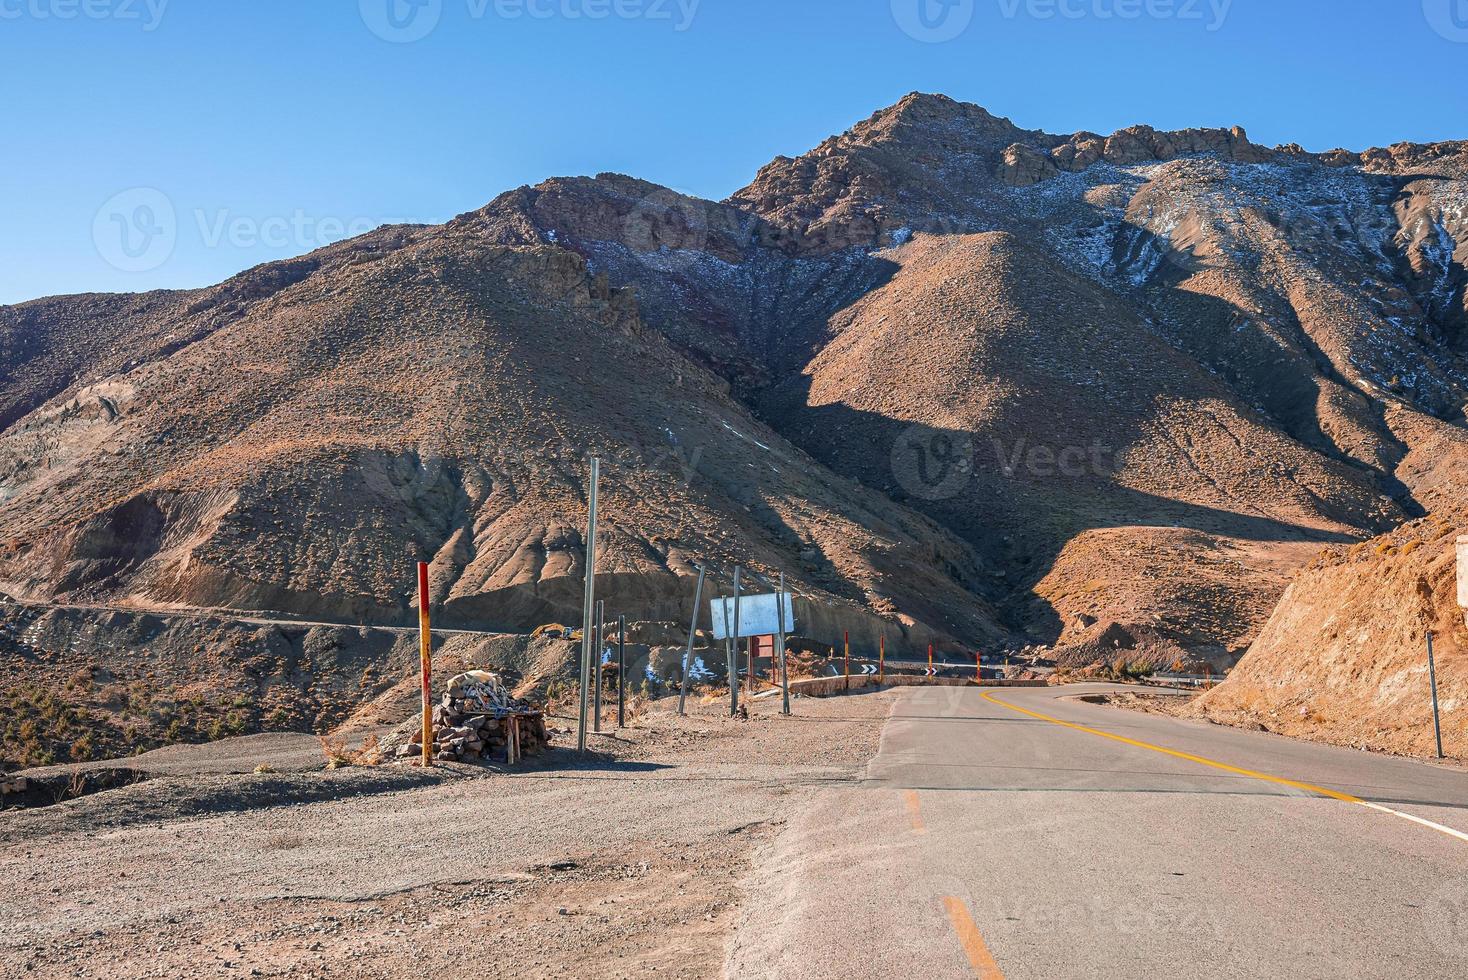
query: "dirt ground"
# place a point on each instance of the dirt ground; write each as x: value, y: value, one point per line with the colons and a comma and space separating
x: 1155, y: 702
x: 624, y: 862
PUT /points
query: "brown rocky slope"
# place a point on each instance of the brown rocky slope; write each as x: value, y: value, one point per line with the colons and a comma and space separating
x: 1344, y: 657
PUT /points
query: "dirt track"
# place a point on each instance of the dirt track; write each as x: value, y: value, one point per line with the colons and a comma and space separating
x: 628, y: 862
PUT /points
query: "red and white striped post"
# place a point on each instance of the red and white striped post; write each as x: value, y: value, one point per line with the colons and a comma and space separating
x: 425, y: 656
x: 846, y: 644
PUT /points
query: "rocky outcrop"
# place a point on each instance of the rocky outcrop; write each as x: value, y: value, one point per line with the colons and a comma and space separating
x: 1344, y: 657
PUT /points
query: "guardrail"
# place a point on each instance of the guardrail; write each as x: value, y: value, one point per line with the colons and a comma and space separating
x: 816, y: 687
x: 1192, y: 680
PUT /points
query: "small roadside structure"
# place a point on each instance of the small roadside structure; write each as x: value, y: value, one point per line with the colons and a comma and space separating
x: 477, y: 718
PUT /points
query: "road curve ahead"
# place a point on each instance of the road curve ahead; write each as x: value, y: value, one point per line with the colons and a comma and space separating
x: 1023, y: 833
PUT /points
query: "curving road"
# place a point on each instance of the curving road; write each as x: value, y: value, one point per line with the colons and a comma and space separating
x: 1022, y: 833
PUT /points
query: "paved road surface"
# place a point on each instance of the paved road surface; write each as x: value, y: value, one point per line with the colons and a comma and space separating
x: 991, y: 842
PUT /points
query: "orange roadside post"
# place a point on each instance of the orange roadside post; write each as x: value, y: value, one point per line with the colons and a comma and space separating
x: 846, y: 671
x: 978, y: 667
x: 930, y: 657
x: 881, y: 660
x: 425, y: 655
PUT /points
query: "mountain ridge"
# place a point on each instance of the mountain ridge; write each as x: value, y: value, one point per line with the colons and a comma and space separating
x: 964, y: 382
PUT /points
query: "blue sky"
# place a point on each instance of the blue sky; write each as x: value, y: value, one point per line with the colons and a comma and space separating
x: 224, y: 133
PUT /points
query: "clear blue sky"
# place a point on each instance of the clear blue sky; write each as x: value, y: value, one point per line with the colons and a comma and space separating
x: 268, y: 126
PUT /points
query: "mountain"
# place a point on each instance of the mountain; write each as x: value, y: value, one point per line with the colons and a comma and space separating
x: 958, y: 379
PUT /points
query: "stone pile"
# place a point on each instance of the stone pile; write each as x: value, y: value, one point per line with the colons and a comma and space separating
x: 476, y: 719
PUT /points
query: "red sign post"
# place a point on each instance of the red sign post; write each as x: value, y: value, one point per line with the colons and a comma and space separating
x: 846, y: 643
x: 425, y: 656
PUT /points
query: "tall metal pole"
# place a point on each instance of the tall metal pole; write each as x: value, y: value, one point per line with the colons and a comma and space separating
x: 734, y: 660
x: 728, y: 643
x: 784, y: 669
x: 622, y: 671
x: 425, y: 659
x: 588, y: 603
x: 1437, y: 725
x: 692, y: 628
x: 599, y: 667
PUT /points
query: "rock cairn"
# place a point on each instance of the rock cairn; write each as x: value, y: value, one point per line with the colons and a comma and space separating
x: 474, y: 720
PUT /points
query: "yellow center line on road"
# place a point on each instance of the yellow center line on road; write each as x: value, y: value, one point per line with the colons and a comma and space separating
x: 914, y: 812
x: 978, y: 954
x: 1200, y: 760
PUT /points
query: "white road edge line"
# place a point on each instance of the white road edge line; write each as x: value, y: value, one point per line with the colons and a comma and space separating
x: 1418, y: 820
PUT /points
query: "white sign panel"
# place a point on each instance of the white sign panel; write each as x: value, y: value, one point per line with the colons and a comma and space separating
x: 757, y: 615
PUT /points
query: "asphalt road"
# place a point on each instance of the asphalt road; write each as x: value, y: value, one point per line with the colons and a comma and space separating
x: 988, y: 841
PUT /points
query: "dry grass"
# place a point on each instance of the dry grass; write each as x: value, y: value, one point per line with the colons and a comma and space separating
x: 339, y: 755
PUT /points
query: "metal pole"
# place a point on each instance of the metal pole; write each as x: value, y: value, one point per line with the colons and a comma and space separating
x: 588, y: 603
x: 1437, y: 725
x: 751, y: 651
x: 728, y: 643
x: 784, y: 668
x: 881, y: 659
x: 692, y: 628
x: 425, y: 659
x: 601, y: 646
x: 734, y: 660
x: 622, y: 671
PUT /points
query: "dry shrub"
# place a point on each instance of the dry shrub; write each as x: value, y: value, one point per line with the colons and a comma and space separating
x: 339, y: 755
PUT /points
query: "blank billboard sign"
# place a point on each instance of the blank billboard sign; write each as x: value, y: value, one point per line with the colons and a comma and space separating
x: 757, y: 615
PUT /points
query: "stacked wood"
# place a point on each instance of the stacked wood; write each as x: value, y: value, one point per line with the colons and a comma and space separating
x: 477, y: 719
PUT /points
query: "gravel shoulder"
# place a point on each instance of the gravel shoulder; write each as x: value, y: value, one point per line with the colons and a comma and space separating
x: 627, y: 860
